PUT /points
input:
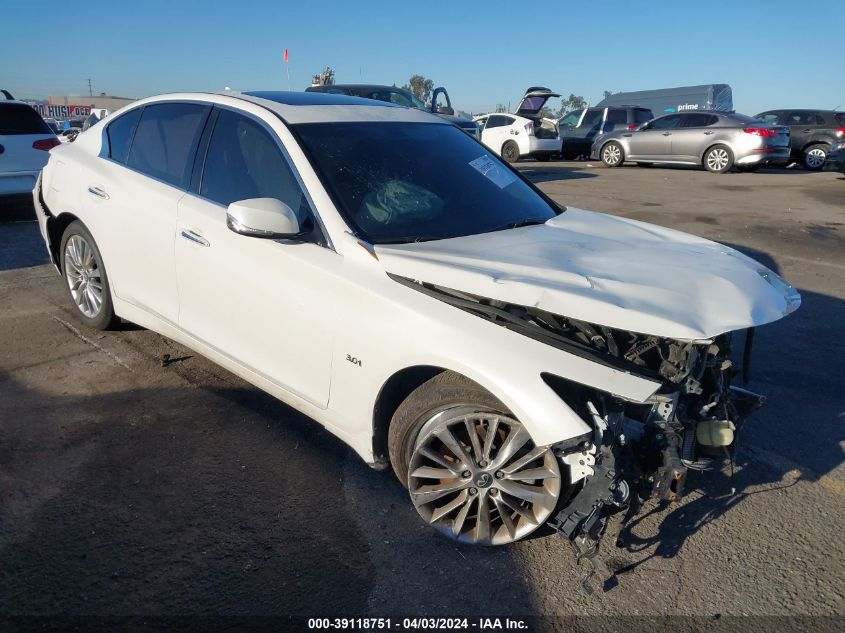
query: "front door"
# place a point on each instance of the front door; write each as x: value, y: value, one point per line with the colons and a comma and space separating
x: 263, y: 303
x: 654, y: 140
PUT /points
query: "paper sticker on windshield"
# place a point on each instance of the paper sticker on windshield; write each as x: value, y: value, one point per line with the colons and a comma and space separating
x: 498, y: 175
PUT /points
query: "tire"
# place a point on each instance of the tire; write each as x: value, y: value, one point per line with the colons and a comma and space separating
x: 85, y: 277
x: 543, y: 158
x: 462, y: 491
x: 815, y: 156
x: 510, y: 152
x: 612, y: 154
x: 718, y: 159
x: 748, y: 169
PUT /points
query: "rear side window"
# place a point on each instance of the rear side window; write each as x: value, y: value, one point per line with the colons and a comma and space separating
x: 119, y: 133
x: 699, y: 120
x: 617, y: 117
x: 497, y: 120
x: 804, y: 118
x: 16, y: 118
x: 243, y: 162
x: 641, y: 116
x: 166, y: 139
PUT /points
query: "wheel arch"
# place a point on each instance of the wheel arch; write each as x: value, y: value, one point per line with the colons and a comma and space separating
x: 392, y: 393
x: 56, y: 225
x: 809, y: 144
x: 715, y: 144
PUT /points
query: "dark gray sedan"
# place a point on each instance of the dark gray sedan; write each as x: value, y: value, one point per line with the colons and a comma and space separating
x: 716, y: 140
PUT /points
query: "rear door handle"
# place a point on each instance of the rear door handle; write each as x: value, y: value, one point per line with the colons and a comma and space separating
x: 807, y: 130
x: 709, y: 132
x: 667, y: 134
x: 96, y: 191
x: 196, y: 238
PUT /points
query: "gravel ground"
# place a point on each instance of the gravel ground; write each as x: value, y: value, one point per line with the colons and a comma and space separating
x: 128, y: 488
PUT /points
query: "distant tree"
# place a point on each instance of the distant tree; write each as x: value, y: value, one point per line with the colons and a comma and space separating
x: 500, y: 107
x: 546, y: 113
x: 325, y: 78
x: 606, y: 94
x: 573, y: 102
x: 421, y: 87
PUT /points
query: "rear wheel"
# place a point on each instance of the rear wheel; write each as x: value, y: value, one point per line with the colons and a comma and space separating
x: 815, y: 156
x: 86, y: 278
x: 612, y: 154
x: 472, y: 469
x: 718, y: 159
x: 510, y: 152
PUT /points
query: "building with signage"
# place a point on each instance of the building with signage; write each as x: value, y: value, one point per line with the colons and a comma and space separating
x: 81, y: 105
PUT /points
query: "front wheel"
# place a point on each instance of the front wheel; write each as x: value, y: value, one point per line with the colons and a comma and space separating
x: 815, y: 156
x: 86, y: 278
x: 472, y: 469
x: 612, y: 154
x: 510, y: 152
x: 718, y: 159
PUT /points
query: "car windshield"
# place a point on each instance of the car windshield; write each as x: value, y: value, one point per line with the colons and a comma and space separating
x: 409, y: 182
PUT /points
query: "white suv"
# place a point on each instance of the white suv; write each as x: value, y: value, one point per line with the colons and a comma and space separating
x: 516, y: 363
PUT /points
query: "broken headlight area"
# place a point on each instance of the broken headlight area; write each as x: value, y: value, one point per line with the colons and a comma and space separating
x: 639, y: 451
x: 636, y: 451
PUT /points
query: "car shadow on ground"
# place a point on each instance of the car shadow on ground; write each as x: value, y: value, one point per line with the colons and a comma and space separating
x: 797, y: 437
x: 538, y: 172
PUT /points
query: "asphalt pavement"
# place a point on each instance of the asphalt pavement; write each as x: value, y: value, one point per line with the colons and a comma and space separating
x: 139, y: 479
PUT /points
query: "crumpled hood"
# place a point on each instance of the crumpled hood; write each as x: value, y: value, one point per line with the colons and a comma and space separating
x: 606, y: 270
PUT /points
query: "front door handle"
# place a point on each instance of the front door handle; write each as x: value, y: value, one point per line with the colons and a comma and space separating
x: 709, y: 132
x: 807, y: 130
x: 96, y: 191
x: 196, y: 238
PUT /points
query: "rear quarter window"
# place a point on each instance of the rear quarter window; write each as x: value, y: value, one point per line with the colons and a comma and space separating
x: 119, y: 134
x: 17, y: 119
x: 166, y: 139
x: 840, y: 118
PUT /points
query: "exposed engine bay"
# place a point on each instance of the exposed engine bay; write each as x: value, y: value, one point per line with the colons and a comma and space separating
x: 636, y: 451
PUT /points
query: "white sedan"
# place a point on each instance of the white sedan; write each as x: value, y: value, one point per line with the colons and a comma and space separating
x: 516, y: 363
x: 523, y: 134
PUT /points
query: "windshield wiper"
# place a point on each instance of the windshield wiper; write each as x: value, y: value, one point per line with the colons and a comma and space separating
x: 409, y: 239
x: 519, y: 223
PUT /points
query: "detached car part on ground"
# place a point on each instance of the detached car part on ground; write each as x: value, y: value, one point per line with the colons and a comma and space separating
x: 715, y: 140
x: 517, y: 364
x: 525, y: 133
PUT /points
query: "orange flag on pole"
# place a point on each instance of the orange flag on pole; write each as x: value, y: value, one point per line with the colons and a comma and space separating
x: 286, y: 56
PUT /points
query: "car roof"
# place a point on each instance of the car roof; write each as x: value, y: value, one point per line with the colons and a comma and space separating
x: 309, y: 107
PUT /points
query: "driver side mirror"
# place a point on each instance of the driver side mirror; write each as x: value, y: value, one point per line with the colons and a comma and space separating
x: 267, y: 218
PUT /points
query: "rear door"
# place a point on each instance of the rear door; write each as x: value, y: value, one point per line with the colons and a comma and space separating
x: 692, y: 136
x: 22, y: 132
x: 131, y: 198
x: 497, y: 132
x: 803, y: 127
x: 654, y: 140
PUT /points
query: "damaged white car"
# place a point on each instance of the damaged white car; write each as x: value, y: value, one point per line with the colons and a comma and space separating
x: 517, y: 363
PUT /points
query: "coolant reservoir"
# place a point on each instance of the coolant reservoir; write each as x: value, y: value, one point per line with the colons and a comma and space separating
x: 715, y: 432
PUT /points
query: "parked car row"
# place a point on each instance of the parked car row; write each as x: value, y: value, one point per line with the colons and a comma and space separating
x: 717, y: 140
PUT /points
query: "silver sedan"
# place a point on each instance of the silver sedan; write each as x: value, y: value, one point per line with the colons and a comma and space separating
x: 716, y: 140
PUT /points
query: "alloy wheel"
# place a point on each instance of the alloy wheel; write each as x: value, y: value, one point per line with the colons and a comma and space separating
x: 815, y: 158
x: 83, y: 276
x: 611, y: 154
x: 717, y: 159
x: 477, y: 477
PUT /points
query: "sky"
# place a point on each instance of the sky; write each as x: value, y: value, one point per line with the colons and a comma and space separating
x: 774, y: 54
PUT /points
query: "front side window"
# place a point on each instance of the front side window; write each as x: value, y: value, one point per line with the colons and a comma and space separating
x: 166, y: 139
x: 665, y: 122
x: 769, y: 117
x: 243, y: 161
x: 571, y: 119
x: 406, y: 182
x: 592, y: 118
